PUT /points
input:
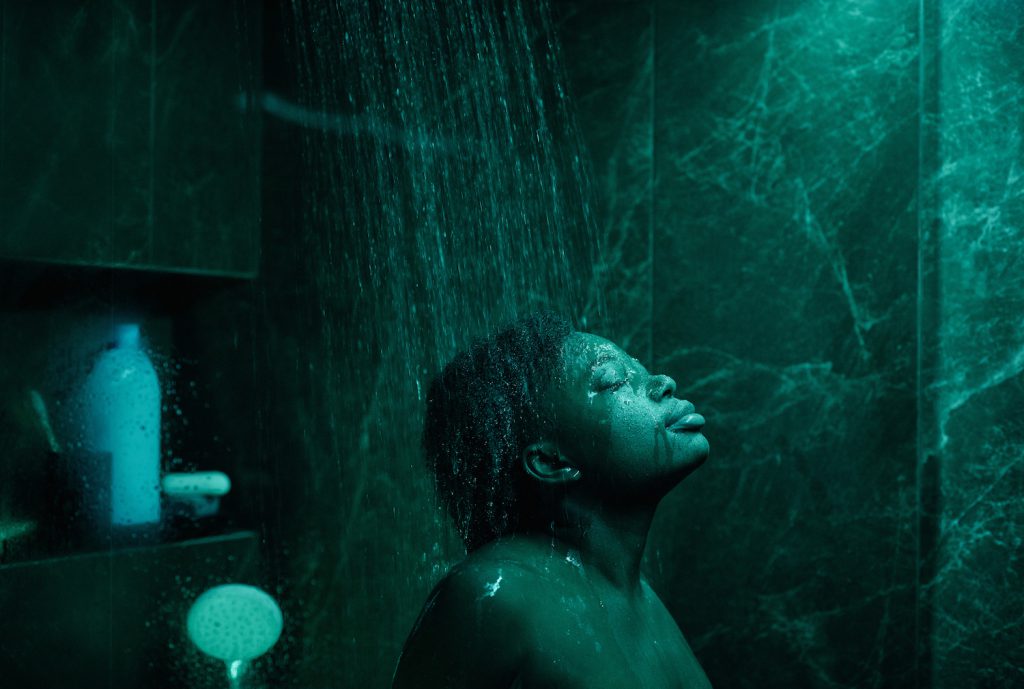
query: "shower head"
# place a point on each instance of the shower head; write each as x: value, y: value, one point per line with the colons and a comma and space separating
x: 234, y: 622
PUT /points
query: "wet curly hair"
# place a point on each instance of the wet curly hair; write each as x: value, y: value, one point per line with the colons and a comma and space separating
x: 482, y: 410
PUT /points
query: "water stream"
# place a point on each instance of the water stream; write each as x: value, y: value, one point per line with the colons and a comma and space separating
x: 446, y: 186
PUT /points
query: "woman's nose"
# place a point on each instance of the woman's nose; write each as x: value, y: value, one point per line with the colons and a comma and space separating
x: 661, y: 387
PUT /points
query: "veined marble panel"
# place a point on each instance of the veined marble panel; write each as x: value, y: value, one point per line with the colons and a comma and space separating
x: 784, y: 306
x: 978, y: 590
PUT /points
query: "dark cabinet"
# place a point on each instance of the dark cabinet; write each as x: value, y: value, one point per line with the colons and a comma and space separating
x: 126, y: 135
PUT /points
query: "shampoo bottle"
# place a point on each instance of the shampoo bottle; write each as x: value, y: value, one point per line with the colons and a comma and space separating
x: 122, y: 397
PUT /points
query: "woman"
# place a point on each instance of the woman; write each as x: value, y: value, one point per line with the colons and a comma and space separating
x: 551, y: 449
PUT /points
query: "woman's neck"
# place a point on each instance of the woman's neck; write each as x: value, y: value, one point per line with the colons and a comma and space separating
x: 608, y: 539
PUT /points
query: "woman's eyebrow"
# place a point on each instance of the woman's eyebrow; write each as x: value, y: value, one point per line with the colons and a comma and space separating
x: 602, y: 358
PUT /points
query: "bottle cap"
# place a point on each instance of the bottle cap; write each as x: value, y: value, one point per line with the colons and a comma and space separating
x: 127, y: 336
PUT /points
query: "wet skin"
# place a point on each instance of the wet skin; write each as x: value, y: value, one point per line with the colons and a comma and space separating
x: 569, y: 608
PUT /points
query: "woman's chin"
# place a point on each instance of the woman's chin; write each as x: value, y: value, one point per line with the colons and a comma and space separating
x: 690, y: 455
x: 691, y: 447
x: 702, y: 448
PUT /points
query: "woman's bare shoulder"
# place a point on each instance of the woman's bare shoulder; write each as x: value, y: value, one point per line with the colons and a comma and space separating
x: 473, y: 629
x: 504, y: 577
x: 528, y: 558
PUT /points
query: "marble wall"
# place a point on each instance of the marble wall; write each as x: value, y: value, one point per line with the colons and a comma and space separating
x: 976, y: 390
x: 785, y: 303
x: 833, y: 264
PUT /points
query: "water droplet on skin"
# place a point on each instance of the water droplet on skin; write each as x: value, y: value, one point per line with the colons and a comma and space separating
x: 491, y: 588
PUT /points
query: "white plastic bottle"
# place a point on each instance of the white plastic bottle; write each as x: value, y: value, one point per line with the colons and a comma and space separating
x: 122, y: 397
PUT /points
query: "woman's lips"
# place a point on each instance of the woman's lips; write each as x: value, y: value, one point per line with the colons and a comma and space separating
x: 690, y: 422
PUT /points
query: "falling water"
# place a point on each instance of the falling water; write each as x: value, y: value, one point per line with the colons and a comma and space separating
x: 443, y: 193
x: 447, y: 178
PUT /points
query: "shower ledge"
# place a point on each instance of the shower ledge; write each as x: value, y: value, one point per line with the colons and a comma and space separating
x: 116, y: 617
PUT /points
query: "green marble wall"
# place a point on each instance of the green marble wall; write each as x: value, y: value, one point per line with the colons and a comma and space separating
x: 976, y: 112
x: 125, y: 138
x: 834, y: 259
x: 786, y: 141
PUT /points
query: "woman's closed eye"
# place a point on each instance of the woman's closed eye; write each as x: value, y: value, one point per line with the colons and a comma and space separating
x: 610, y: 379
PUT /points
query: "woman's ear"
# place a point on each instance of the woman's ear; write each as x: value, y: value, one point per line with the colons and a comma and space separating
x: 543, y: 462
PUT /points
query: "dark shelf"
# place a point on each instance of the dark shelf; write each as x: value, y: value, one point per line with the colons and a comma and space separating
x: 38, y: 285
x: 116, y: 618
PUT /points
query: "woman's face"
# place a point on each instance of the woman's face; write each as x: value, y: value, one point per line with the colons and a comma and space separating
x: 622, y: 427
